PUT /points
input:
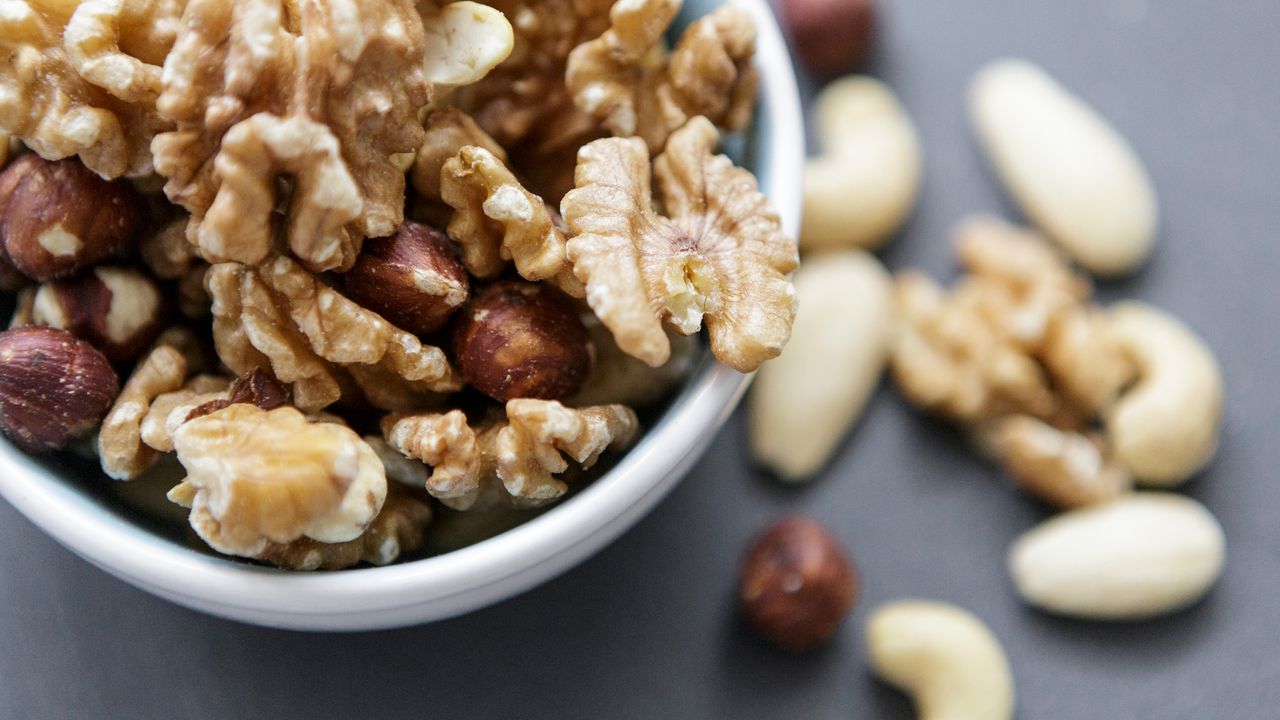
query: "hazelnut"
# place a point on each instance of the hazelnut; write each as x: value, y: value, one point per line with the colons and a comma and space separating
x: 521, y: 340
x: 830, y: 36
x: 54, y: 387
x: 116, y: 309
x: 58, y: 217
x: 256, y: 387
x: 414, y: 279
x: 797, y: 584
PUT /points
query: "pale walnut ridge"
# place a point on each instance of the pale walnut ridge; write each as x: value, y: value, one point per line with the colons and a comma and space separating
x: 83, y: 79
x: 719, y: 253
x: 319, y: 92
x: 261, y: 477
x: 513, y: 462
x: 121, y: 450
x: 280, y: 317
x: 495, y: 220
x: 399, y: 528
x: 627, y: 79
x: 448, y: 130
x: 524, y: 104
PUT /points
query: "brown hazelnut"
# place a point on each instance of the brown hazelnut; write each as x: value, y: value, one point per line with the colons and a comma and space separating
x: 521, y: 340
x: 117, y: 310
x: 831, y: 37
x: 797, y: 584
x: 415, y: 278
x: 54, y: 387
x: 58, y: 217
x: 256, y: 387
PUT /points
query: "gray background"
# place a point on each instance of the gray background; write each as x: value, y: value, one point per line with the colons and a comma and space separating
x: 647, y: 629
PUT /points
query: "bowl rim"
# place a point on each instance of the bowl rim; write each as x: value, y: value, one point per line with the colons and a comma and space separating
x: 560, y: 537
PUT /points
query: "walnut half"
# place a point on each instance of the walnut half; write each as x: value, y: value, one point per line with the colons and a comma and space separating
x: 719, y: 254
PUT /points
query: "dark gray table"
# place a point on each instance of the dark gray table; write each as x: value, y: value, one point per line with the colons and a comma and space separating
x: 646, y: 629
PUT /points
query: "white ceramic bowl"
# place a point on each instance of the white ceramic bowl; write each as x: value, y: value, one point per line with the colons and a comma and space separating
x: 475, y: 576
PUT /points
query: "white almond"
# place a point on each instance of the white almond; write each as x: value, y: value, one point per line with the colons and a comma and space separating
x: 858, y: 193
x: 1143, y: 555
x: 1072, y: 174
x: 805, y: 400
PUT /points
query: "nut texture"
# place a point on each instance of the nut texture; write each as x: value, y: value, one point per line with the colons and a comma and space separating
x: 58, y: 217
x: 830, y: 36
x: 1143, y: 555
x: 413, y: 278
x: 520, y: 340
x: 53, y: 387
x: 117, y: 310
x: 797, y: 584
x: 944, y: 657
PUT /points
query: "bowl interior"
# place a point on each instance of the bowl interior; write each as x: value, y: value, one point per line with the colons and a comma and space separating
x: 130, y: 530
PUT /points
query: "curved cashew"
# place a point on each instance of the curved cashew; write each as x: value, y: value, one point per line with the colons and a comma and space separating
x: 1165, y: 427
x: 944, y: 657
x: 860, y: 191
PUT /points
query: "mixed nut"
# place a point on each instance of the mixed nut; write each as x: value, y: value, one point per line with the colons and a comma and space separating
x: 353, y: 265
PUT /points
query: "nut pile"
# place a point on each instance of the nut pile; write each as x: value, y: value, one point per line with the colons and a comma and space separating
x: 354, y: 264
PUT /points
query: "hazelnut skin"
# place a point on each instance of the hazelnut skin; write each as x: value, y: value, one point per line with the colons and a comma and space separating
x: 58, y: 217
x: 831, y: 37
x: 521, y: 340
x: 54, y: 387
x: 256, y: 387
x: 797, y: 584
x: 414, y: 279
x: 117, y: 310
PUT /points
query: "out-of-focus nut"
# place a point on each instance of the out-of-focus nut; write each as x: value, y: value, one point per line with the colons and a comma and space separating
x: 1143, y: 555
x: 58, y: 217
x: 414, y: 278
x: 944, y: 657
x: 520, y: 340
x: 797, y: 584
x: 1071, y: 173
x: 117, y: 310
x: 805, y: 400
x: 1063, y: 467
x: 863, y: 186
x: 54, y: 387
x: 1165, y: 426
x: 830, y: 36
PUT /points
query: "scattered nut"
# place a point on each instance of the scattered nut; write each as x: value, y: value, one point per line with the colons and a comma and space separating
x: 520, y: 340
x: 1165, y: 426
x: 944, y: 657
x: 830, y: 36
x: 864, y: 185
x: 257, y: 477
x: 797, y: 584
x: 413, y: 278
x: 58, y: 217
x: 1071, y: 173
x: 117, y: 310
x: 804, y: 401
x: 1139, y: 556
x: 53, y: 387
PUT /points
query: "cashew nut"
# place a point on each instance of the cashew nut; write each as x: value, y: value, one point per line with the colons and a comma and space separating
x: 1165, y: 427
x: 944, y: 657
x: 860, y: 191
x: 807, y: 398
x: 1071, y: 173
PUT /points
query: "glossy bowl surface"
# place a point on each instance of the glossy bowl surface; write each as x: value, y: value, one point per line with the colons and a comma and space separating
x: 467, y: 579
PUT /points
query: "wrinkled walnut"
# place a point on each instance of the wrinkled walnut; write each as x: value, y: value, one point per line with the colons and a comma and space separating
x: 166, y: 252
x: 323, y: 93
x: 495, y: 219
x: 399, y: 528
x: 524, y: 453
x: 258, y: 477
x: 626, y: 79
x: 85, y: 82
x: 120, y: 448
x: 1062, y: 467
x: 719, y: 253
x: 280, y: 316
x: 171, y: 409
x: 448, y: 130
